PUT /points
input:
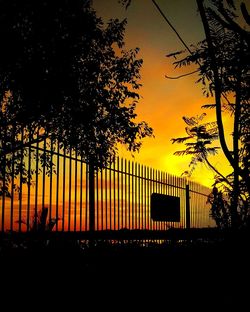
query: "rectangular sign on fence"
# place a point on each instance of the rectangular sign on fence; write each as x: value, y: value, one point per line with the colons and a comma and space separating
x: 165, y: 207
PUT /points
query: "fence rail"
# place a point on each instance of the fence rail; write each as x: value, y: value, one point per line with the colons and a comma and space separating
x: 80, y: 199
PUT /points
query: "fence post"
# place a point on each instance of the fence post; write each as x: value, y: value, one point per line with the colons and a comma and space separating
x: 187, y: 207
x: 91, y: 197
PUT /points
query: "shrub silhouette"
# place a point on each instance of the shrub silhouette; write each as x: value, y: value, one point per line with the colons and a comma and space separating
x: 39, y: 221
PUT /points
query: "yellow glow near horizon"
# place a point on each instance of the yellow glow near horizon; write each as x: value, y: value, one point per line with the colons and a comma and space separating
x: 164, y: 101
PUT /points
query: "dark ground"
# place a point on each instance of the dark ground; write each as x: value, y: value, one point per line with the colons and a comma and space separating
x: 194, y: 277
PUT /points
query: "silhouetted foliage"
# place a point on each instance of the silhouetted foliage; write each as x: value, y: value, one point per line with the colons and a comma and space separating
x: 198, y: 142
x: 126, y: 3
x: 224, y: 63
x: 65, y: 76
x: 39, y: 222
x: 220, y: 209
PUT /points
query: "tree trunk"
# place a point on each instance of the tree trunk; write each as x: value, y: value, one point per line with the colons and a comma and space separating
x: 217, y: 83
x: 234, y: 161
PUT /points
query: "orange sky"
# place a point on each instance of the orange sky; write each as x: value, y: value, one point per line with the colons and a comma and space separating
x: 164, y: 101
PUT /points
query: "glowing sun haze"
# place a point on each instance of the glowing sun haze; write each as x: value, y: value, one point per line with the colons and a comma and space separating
x: 164, y: 101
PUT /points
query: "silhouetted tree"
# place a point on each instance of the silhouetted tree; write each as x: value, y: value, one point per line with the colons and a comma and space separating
x: 224, y: 63
x: 198, y: 142
x: 220, y: 208
x: 64, y: 77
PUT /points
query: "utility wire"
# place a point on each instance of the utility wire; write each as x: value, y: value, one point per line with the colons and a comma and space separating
x: 178, y: 35
x: 185, y: 45
x: 173, y: 28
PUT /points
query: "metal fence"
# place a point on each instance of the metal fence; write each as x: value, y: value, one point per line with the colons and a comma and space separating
x: 78, y: 199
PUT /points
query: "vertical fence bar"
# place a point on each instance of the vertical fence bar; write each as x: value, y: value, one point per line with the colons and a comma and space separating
x: 44, y: 174
x: 139, y: 195
x: 81, y: 177
x: 152, y: 191
x: 102, y: 214
x: 148, y: 199
x: 106, y: 199
x: 110, y: 198
x: 135, y: 195
x: 3, y: 189
x: 165, y: 192
x: 171, y: 190
x: 75, y: 207
x: 198, y: 211
x: 114, y: 195
x: 57, y: 184
x: 129, y: 195
x: 126, y: 194
x: 97, y: 199
x: 12, y: 191
x: 91, y: 179
x: 202, y: 222
x: 196, y: 214
x: 161, y: 183
x: 187, y: 207
x: 140, y: 192
x: 50, y: 180
x: 155, y: 190
x: 118, y: 193
x: 70, y: 184
x: 87, y: 198
x: 160, y: 188
x: 193, y: 219
x: 36, y: 187
x: 145, y: 197
x: 158, y: 191
x: 176, y: 190
x: 12, y: 182
x: 194, y: 205
x: 29, y: 184
x: 122, y: 194
x: 63, y: 190
x: 21, y: 187
x: 132, y: 193
x: 198, y: 202
x: 144, y: 200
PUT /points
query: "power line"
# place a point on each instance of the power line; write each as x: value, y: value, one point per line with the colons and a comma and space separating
x: 172, y: 27
x: 185, y: 45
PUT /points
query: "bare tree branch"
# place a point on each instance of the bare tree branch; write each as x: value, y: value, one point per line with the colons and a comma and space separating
x: 184, y: 75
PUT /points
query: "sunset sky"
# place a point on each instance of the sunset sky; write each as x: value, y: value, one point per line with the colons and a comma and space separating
x: 164, y: 102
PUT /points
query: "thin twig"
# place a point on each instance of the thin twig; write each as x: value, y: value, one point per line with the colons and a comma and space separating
x: 184, y: 75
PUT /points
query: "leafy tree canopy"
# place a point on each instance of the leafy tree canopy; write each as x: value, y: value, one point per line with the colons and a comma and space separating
x: 66, y: 76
